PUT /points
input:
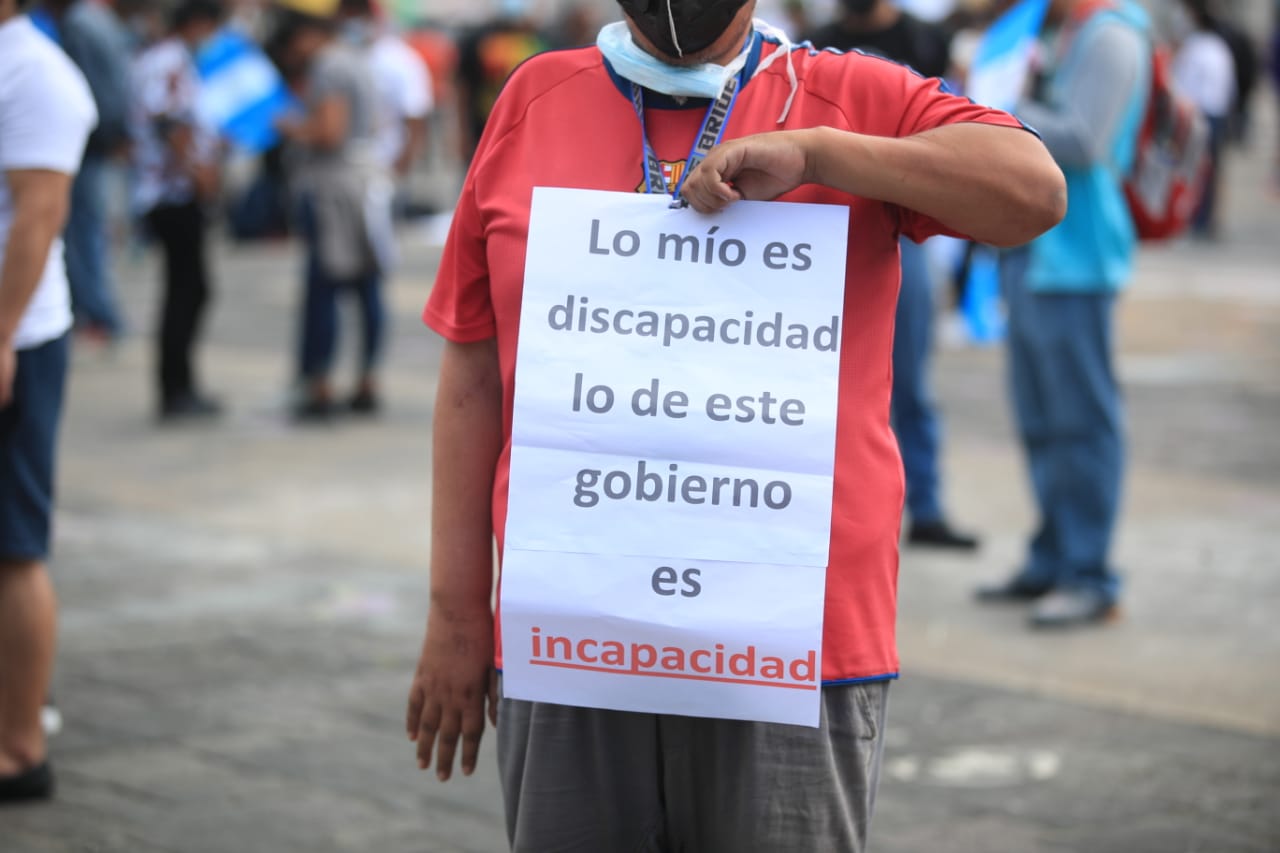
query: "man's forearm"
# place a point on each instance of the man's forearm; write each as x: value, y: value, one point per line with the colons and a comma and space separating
x: 25, y: 254
x: 995, y: 184
x: 415, y: 136
x: 467, y: 442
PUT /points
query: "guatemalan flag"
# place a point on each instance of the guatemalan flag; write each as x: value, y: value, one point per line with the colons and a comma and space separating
x: 998, y: 78
x: 998, y: 74
x: 241, y: 93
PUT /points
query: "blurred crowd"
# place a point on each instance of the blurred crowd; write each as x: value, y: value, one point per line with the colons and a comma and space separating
x: 382, y: 100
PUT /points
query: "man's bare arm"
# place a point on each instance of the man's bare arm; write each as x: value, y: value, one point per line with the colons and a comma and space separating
x: 455, y: 671
x: 40, y: 200
x: 323, y: 127
x: 415, y: 138
x: 995, y: 184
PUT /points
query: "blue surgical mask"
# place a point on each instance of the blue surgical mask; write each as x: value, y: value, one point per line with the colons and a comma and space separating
x: 357, y: 32
x: 691, y: 81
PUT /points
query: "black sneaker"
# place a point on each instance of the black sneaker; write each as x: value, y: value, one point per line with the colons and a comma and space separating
x: 189, y: 407
x: 313, y: 410
x: 364, y: 402
x: 33, y: 784
x: 939, y: 534
x: 1012, y: 591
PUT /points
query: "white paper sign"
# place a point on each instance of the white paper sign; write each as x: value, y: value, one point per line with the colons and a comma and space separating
x: 672, y: 454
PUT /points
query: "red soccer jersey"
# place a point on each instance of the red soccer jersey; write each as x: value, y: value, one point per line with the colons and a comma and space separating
x: 565, y: 120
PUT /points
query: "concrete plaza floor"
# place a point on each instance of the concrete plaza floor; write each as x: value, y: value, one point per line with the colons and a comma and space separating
x: 242, y: 603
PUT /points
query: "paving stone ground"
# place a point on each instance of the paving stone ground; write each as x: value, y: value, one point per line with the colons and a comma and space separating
x: 242, y: 604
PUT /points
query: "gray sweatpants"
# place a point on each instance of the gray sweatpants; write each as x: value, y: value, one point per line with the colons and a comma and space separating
x: 582, y: 780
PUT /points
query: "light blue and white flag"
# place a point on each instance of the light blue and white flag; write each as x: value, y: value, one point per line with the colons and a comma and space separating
x: 998, y: 78
x: 998, y: 73
x: 241, y: 92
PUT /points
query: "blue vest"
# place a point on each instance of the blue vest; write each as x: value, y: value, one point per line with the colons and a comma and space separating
x: 1092, y: 249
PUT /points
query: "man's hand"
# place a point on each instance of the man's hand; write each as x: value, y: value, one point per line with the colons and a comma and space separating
x: 454, y: 678
x: 943, y: 173
x: 8, y: 367
x: 455, y: 671
x: 758, y: 168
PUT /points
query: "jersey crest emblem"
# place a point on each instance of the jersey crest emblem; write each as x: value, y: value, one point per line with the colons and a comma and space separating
x: 672, y: 171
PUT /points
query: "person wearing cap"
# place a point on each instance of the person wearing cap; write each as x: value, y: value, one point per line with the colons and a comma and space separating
x: 904, y: 157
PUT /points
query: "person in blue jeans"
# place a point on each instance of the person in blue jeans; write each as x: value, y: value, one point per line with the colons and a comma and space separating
x: 98, y: 41
x: 1061, y: 293
x: 345, y: 207
x: 915, y: 421
x: 881, y: 28
x: 319, y: 333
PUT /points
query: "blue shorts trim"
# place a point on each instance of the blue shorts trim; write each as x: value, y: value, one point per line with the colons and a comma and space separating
x: 889, y: 676
x: 28, y: 439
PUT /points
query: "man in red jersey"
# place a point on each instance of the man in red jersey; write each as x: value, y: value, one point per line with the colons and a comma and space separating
x: 904, y: 157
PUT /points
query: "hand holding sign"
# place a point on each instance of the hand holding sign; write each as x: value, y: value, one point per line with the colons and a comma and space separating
x: 756, y: 168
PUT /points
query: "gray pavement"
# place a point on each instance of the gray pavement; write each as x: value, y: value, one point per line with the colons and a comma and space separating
x: 242, y: 603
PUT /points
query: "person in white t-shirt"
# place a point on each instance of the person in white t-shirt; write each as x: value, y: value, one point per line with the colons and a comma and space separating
x: 176, y: 172
x: 404, y: 92
x: 1204, y: 71
x: 403, y: 85
x: 46, y: 114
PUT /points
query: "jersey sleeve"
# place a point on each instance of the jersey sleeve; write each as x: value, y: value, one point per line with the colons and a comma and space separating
x: 460, y: 307
x: 929, y: 104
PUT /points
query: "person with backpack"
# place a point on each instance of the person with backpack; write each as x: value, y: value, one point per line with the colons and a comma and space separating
x: 1088, y: 104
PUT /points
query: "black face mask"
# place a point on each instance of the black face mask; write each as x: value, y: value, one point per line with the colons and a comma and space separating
x: 698, y: 22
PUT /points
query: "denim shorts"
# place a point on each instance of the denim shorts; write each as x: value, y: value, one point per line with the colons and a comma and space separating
x: 28, y: 438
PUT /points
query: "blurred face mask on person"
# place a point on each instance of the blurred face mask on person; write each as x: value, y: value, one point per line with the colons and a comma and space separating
x: 358, y: 32
x: 513, y: 10
x: 680, y: 28
x: 688, y: 79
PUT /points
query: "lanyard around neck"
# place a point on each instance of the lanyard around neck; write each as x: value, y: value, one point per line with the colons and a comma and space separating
x: 708, y: 137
